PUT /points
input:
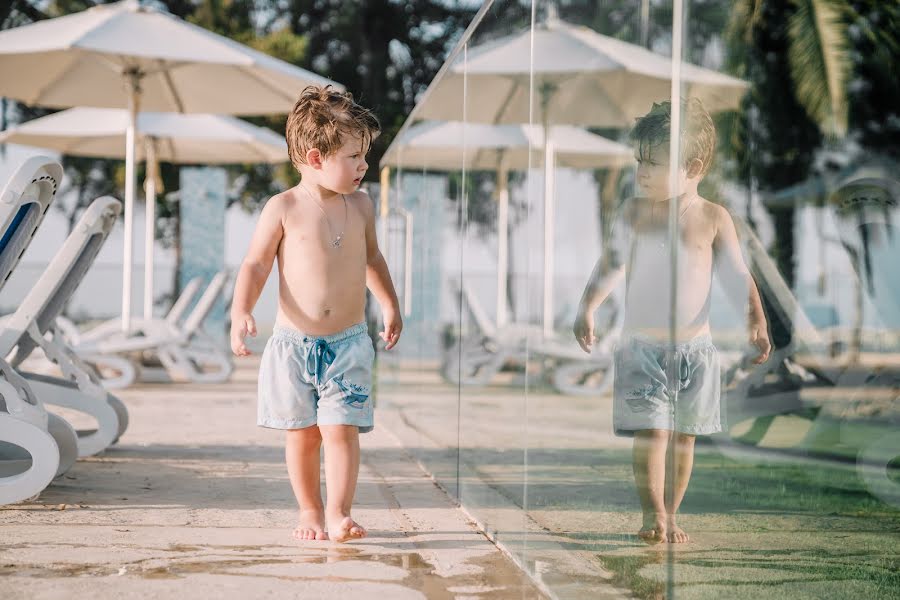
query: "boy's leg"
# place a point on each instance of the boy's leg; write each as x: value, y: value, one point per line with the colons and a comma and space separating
x: 682, y: 449
x: 302, y: 455
x: 649, y: 463
x: 341, y: 473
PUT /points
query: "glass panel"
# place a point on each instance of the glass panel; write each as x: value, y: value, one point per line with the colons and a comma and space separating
x: 800, y: 489
x: 492, y: 425
x: 414, y: 397
x: 788, y: 468
x: 591, y: 83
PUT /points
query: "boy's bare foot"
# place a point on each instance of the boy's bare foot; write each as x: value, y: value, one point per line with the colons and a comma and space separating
x: 345, y: 529
x: 311, y: 526
x: 677, y: 535
x: 654, y: 529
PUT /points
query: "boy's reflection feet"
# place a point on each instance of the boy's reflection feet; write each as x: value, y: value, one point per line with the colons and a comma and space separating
x: 676, y: 534
x: 654, y: 529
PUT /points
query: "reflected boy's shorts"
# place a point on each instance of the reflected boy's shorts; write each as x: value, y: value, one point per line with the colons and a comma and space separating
x: 307, y: 380
x: 643, y: 397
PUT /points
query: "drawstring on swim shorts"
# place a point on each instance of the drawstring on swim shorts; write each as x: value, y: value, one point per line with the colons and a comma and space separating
x: 319, y: 356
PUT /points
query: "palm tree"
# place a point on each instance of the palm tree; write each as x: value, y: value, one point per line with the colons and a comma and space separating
x: 818, y: 55
x: 794, y: 53
x: 825, y: 43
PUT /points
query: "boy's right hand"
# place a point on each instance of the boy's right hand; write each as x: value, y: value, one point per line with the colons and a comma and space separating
x: 584, y: 330
x: 241, y: 327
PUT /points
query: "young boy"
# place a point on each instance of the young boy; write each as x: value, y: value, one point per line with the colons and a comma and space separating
x: 666, y: 400
x: 315, y: 373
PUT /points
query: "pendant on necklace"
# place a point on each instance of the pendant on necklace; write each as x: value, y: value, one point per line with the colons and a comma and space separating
x: 337, y: 241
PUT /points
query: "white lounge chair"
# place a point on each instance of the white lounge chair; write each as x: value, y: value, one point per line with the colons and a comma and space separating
x: 759, y: 394
x: 477, y: 357
x: 184, y: 351
x: 34, y: 445
x: 113, y: 327
x: 774, y: 386
x: 116, y: 371
x: 32, y: 326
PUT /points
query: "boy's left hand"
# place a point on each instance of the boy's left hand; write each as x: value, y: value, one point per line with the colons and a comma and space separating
x: 393, y: 325
x: 759, y: 338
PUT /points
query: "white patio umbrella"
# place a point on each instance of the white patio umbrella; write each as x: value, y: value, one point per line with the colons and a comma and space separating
x: 580, y: 77
x: 436, y: 146
x: 126, y: 55
x: 166, y: 137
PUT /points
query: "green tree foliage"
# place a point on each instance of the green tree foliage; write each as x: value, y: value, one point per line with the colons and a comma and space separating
x: 823, y: 76
x: 385, y: 51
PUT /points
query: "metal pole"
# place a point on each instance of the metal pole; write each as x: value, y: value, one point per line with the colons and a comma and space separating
x: 408, y: 265
x: 502, y: 244
x: 150, y: 224
x: 674, y: 239
x: 134, y: 89
x: 384, y: 192
x: 549, y: 185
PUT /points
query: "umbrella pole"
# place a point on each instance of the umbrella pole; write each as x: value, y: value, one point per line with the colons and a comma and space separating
x: 150, y: 226
x: 549, y: 185
x: 502, y: 244
x: 384, y: 192
x: 133, y: 83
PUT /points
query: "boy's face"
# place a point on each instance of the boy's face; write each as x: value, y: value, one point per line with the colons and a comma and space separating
x: 344, y: 170
x: 652, y: 176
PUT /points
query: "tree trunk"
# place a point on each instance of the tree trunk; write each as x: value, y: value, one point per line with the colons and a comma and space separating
x: 783, y: 252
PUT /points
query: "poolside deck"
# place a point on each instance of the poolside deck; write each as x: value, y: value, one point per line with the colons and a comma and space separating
x: 194, y: 501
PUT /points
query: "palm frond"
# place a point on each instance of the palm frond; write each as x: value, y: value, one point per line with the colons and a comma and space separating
x: 739, y: 33
x: 820, y: 62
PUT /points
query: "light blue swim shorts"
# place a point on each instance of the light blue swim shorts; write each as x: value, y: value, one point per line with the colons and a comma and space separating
x: 643, y: 398
x: 307, y: 380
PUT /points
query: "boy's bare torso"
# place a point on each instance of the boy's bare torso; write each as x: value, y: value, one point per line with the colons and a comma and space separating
x: 322, y: 288
x: 648, y: 269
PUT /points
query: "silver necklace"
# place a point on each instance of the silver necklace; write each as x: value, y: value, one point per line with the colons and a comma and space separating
x: 336, y: 241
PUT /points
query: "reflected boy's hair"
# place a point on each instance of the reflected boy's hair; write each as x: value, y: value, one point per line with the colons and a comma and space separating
x: 322, y: 118
x: 698, y: 132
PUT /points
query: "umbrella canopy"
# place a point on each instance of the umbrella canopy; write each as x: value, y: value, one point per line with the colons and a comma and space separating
x: 201, y: 139
x: 100, y: 132
x: 80, y: 60
x: 581, y: 78
x: 128, y: 55
x: 437, y: 145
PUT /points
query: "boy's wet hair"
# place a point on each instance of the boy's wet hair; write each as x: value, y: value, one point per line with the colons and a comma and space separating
x: 322, y: 118
x: 698, y: 132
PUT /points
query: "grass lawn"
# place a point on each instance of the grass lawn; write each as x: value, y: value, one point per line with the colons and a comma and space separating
x: 771, y: 531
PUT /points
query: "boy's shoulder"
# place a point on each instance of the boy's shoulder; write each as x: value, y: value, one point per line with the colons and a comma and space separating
x: 281, y: 202
x: 714, y: 211
x: 362, y: 200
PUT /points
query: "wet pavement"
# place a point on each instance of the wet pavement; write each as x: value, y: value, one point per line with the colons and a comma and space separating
x: 195, y: 501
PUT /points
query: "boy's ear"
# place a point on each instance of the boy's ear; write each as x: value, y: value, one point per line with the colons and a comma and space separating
x: 314, y: 158
x: 694, y: 168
